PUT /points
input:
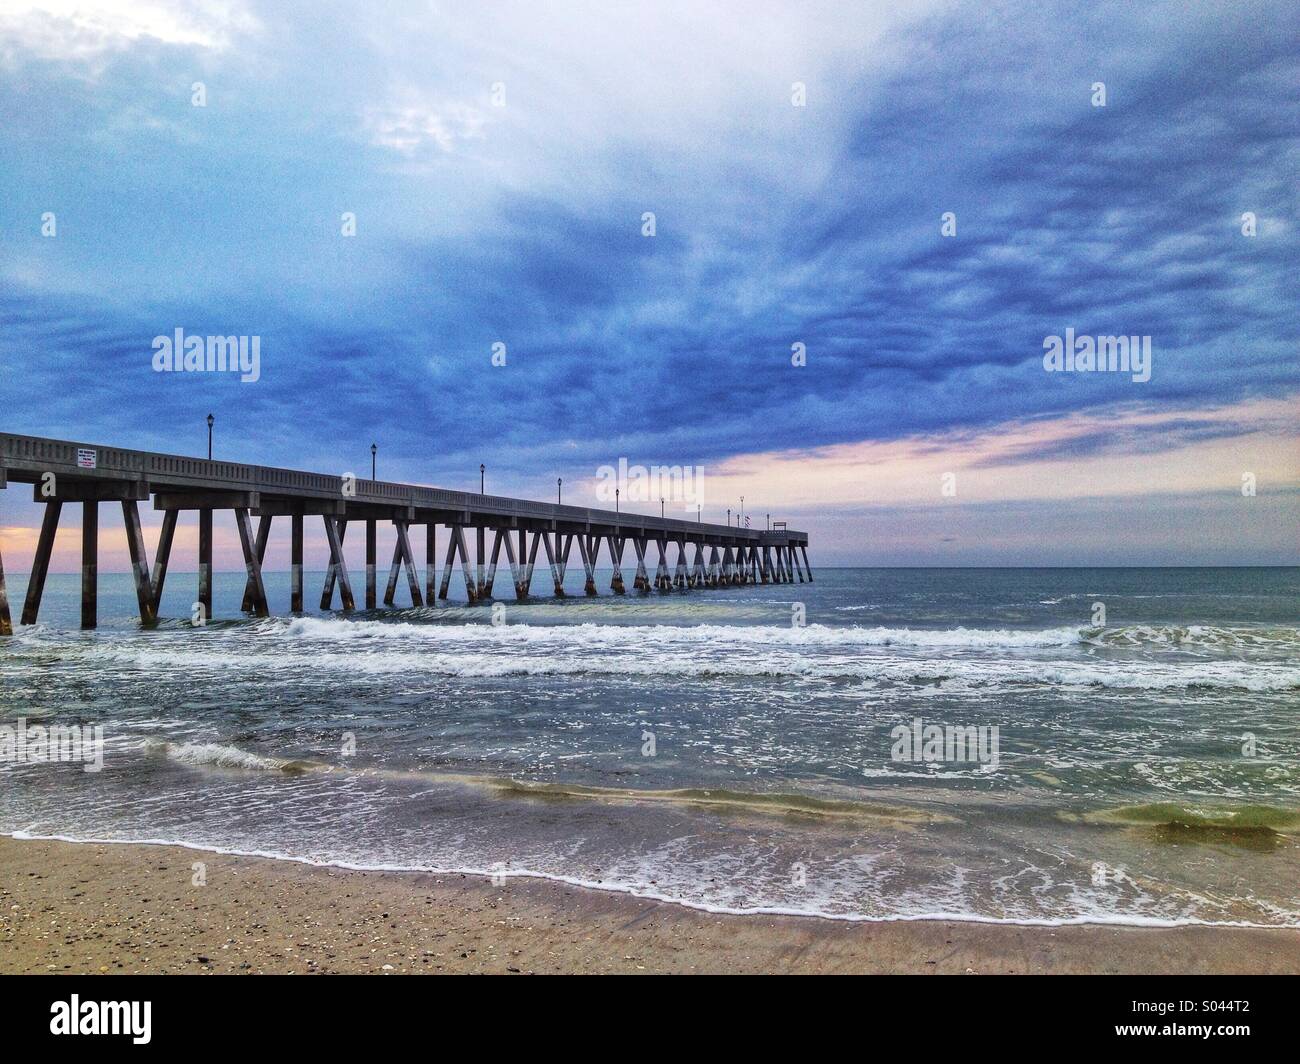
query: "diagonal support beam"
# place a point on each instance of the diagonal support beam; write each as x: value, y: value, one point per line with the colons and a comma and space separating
x: 41, y: 563
x: 252, y: 564
x: 449, y: 564
x: 556, y: 582
x: 471, y: 588
x: 492, y: 564
x: 616, y: 545
x: 335, y: 530
x: 165, y: 537
x: 408, y: 560
x: 642, y: 579
x: 6, y: 624
x: 516, y: 570
x: 679, y: 575
x: 563, y: 544
x: 588, y: 565
x: 394, y: 571
x: 662, y: 582
x: 263, y: 536
x: 139, y: 561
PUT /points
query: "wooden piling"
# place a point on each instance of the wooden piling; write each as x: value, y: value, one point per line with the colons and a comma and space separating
x: 295, y: 563
x: 430, y: 563
x: 205, y: 562
x: 371, y: 563
x: 89, y: 564
x: 479, y: 533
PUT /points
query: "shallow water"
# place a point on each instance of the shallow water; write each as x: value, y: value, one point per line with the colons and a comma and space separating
x: 1147, y: 770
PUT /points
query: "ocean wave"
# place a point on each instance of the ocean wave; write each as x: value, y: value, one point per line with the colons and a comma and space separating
x: 811, y: 635
x: 593, y: 635
x: 952, y: 673
x: 771, y: 802
x: 1208, y: 820
x: 1195, y: 636
x: 217, y: 755
x: 913, y: 913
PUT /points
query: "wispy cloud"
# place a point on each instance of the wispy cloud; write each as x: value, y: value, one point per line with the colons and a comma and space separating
x: 521, y: 223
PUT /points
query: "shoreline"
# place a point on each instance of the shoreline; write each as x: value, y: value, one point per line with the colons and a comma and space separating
x: 132, y: 908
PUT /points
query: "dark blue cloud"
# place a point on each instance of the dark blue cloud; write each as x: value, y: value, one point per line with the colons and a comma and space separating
x: 1123, y: 219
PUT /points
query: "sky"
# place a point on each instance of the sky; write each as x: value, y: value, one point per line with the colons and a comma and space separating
x: 867, y: 221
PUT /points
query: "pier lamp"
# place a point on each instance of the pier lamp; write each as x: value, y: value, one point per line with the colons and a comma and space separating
x: 211, y: 419
x: 559, y: 488
x: 482, y: 473
x: 616, y: 500
x: 728, y: 516
x: 661, y: 508
x: 698, y: 515
x: 742, y: 509
x: 374, y: 450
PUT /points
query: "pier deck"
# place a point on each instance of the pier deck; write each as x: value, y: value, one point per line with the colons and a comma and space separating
x: 65, y: 471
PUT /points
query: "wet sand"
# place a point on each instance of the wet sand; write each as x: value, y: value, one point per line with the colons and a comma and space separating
x: 82, y: 908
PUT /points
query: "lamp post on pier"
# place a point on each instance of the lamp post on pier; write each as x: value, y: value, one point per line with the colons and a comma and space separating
x: 374, y: 450
x: 482, y: 474
x: 211, y: 419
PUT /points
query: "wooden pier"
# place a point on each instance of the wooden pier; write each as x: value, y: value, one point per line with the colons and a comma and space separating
x: 63, y: 471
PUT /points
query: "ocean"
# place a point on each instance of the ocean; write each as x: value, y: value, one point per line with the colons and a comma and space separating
x: 882, y: 744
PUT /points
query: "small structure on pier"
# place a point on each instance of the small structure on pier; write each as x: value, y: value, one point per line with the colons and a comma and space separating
x: 68, y: 472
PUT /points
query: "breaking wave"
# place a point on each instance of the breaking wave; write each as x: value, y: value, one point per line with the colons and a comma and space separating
x: 217, y: 755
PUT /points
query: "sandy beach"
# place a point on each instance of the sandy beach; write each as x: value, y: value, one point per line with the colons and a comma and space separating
x: 84, y: 908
